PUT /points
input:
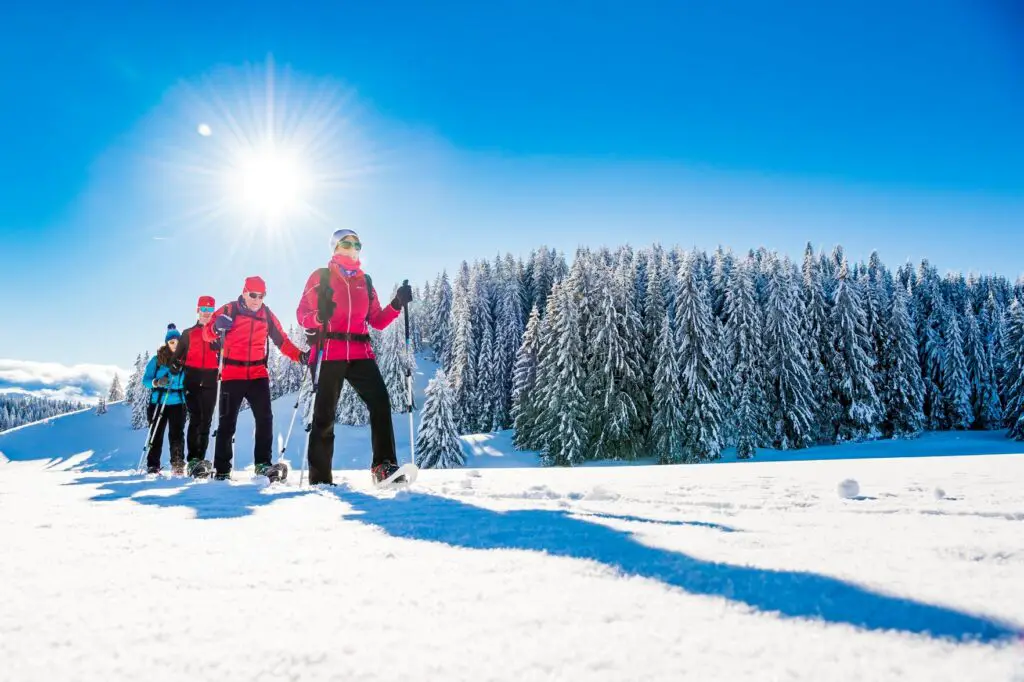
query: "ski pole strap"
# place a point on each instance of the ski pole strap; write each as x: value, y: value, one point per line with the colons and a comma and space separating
x: 345, y: 336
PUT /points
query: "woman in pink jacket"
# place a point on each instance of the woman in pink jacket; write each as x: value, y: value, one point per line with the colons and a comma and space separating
x: 338, y: 306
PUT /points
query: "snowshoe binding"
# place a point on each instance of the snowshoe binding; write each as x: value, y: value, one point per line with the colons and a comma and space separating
x: 200, y: 468
x: 390, y: 475
x: 274, y: 472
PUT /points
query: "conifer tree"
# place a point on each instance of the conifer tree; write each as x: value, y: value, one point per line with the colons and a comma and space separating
x: 437, y: 441
x: 667, y: 426
x: 985, y: 407
x: 902, y: 394
x: 853, y: 381
x: 116, y: 393
x: 956, y: 388
x: 524, y: 383
x: 744, y: 331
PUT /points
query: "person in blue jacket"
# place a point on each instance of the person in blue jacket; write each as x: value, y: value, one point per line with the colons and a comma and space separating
x: 168, y: 384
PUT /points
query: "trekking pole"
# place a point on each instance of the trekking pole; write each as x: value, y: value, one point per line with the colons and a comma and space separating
x: 152, y: 429
x: 312, y: 400
x: 216, y: 398
x: 408, y: 378
x: 283, y: 445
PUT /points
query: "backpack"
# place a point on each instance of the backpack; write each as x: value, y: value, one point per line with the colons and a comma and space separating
x: 325, y: 295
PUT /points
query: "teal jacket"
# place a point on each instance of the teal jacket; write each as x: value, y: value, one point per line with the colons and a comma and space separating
x: 176, y: 383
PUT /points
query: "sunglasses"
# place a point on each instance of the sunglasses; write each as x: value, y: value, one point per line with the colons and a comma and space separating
x: 345, y: 244
x: 255, y: 296
x: 205, y: 309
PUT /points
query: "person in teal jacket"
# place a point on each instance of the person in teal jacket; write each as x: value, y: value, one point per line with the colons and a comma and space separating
x: 168, y: 384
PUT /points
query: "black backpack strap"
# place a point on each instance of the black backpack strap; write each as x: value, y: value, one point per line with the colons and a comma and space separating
x: 369, y: 296
x: 325, y: 296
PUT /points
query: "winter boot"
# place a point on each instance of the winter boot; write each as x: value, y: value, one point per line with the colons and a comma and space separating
x: 153, y: 471
x: 274, y: 472
x: 200, y: 468
x: 178, y: 459
x: 226, y: 476
x: 382, y: 472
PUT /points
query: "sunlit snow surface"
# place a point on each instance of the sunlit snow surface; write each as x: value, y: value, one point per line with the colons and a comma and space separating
x: 503, y: 571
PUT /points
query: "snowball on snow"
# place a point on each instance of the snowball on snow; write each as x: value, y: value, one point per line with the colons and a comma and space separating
x: 849, y: 489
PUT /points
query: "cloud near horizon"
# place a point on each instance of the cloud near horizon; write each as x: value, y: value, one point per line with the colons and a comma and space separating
x: 52, y: 380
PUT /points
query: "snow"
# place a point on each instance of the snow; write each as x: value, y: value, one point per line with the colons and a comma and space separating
x: 736, y: 571
x: 507, y: 571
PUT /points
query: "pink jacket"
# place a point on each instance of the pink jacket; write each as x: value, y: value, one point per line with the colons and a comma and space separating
x: 355, y: 306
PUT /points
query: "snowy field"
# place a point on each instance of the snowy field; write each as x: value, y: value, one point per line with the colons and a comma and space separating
x: 505, y: 571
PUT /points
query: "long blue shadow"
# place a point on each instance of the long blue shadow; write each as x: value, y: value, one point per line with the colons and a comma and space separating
x: 790, y: 594
x: 209, y: 499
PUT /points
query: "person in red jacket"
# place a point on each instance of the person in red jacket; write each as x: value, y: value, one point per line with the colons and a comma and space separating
x: 200, y: 360
x: 338, y: 306
x: 243, y: 328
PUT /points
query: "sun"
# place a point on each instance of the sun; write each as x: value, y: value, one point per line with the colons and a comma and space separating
x: 269, y: 183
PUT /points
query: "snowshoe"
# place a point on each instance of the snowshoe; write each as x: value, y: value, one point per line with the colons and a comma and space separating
x: 200, y: 468
x: 153, y: 471
x: 274, y: 472
x: 390, y: 475
x: 178, y: 468
x: 222, y: 477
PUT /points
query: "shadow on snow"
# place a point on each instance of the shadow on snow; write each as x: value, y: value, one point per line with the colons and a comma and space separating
x: 432, y: 518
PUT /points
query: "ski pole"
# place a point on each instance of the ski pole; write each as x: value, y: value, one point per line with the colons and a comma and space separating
x: 283, y: 445
x: 408, y: 377
x: 152, y: 429
x: 312, y: 400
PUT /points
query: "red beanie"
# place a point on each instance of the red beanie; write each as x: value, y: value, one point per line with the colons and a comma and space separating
x: 255, y: 285
x: 206, y: 302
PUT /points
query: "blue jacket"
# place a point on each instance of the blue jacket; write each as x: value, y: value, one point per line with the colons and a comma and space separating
x: 176, y: 385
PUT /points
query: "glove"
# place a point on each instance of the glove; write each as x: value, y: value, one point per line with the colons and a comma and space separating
x: 161, y: 382
x: 175, y: 367
x: 403, y: 296
x: 222, y: 324
x: 304, y: 357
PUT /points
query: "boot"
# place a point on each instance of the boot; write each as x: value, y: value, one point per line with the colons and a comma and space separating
x: 178, y: 459
x: 274, y: 472
x: 382, y: 472
x: 200, y: 468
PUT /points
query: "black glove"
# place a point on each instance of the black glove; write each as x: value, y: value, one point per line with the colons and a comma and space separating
x: 304, y: 357
x: 175, y: 367
x: 403, y: 296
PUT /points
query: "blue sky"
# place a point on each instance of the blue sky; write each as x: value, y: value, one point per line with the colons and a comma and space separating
x: 470, y: 129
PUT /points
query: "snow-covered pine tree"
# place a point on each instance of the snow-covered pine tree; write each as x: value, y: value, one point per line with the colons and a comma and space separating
x: 902, y: 393
x: 134, y: 380
x: 1013, y: 369
x: 744, y: 331
x: 437, y: 441
x: 724, y: 262
x: 562, y: 415
x: 985, y: 407
x: 614, y: 380
x: 116, y: 393
x: 789, y: 392
x: 441, y: 334
x: 393, y: 362
x: 141, y: 397
x: 462, y: 366
x: 928, y: 316
x: 101, y: 406
x: 956, y: 387
x: 853, y: 376
x: 699, y: 357
x: 667, y: 427
x: 486, y: 395
x: 817, y: 327
x: 524, y: 383
x: 508, y: 338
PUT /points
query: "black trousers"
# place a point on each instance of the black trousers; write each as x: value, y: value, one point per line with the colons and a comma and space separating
x: 365, y: 378
x: 232, y: 393
x: 200, y: 395
x: 175, y: 416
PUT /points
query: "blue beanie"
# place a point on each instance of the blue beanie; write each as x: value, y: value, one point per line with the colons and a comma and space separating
x: 172, y: 333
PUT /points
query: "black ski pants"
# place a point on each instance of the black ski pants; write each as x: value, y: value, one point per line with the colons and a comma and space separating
x: 366, y: 380
x: 200, y: 396
x: 174, y: 415
x: 232, y: 393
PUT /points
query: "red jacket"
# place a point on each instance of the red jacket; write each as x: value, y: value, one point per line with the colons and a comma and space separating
x: 245, y: 345
x: 356, y: 309
x: 194, y: 351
